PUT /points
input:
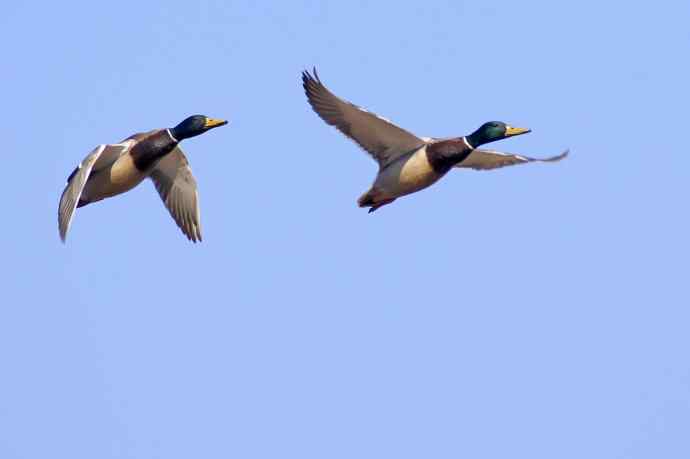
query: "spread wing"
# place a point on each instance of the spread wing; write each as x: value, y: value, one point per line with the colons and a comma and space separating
x: 491, y: 159
x: 102, y: 156
x: 382, y: 139
x: 176, y: 186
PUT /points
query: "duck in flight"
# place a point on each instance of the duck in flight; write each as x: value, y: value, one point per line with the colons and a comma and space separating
x: 408, y: 163
x: 113, y: 169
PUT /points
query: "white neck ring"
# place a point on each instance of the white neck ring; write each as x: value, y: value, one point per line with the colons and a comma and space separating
x: 172, y: 136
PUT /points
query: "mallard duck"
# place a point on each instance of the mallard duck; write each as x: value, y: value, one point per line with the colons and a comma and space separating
x: 113, y: 169
x: 408, y: 163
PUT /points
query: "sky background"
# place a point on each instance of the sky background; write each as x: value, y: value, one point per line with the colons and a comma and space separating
x: 538, y: 311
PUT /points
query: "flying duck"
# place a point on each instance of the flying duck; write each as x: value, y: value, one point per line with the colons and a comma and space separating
x: 112, y: 169
x: 408, y: 163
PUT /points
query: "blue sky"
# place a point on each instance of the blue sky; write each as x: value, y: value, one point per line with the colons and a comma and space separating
x: 532, y: 312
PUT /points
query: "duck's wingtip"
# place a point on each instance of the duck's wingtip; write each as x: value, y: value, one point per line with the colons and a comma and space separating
x: 560, y: 157
x: 312, y: 75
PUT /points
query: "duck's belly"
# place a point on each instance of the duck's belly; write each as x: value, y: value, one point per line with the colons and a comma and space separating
x: 407, y: 175
x: 121, y: 177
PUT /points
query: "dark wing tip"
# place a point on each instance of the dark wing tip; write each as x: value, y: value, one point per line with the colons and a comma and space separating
x: 191, y: 231
x: 553, y: 159
x: 195, y: 234
x: 315, y: 77
x: 550, y: 159
x: 309, y: 82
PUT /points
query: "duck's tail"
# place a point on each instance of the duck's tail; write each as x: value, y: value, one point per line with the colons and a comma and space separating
x: 372, y: 200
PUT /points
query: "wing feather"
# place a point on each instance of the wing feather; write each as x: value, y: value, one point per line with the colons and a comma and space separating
x: 100, y: 157
x: 177, y: 187
x: 73, y: 189
x: 382, y: 139
x: 484, y: 160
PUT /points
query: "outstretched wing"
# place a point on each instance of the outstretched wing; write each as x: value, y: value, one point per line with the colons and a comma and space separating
x: 491, y: 159
x: 176, y: 186
x: 101, y: 157
x: 382, y: 139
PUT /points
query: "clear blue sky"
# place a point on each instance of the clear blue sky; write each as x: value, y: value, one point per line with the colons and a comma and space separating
x: 533, y: 312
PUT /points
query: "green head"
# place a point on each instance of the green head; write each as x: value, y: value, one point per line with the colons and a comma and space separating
x: 195, y: 125
x: 492, y: 131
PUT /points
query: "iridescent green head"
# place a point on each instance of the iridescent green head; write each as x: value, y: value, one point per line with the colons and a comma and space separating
x: 195, y: 125
x: 492, y: 131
